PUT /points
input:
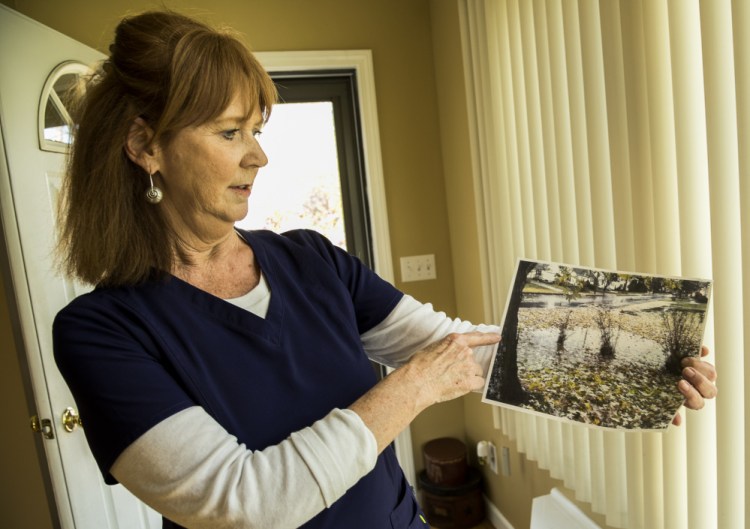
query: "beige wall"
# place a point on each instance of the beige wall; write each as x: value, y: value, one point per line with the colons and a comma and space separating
x: 23, y: 501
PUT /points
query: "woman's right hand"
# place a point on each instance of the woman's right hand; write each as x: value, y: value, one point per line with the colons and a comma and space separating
x: 446, y: 369
x: 443, y: 370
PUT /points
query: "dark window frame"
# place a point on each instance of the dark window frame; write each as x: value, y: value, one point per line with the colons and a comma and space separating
x: 339, y: 87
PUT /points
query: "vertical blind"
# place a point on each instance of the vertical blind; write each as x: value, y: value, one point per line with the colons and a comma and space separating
x: 616, y: 134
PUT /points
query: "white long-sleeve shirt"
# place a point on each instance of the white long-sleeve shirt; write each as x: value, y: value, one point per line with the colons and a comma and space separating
x: 190, y: 469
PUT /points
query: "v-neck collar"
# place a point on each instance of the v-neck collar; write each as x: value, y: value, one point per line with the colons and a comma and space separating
x: 243, y: 320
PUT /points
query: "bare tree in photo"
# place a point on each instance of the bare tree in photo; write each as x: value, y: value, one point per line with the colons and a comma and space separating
x: 681, y: 337
x: 511, y: 390
x: 607, y: 322
x: 563, y: 331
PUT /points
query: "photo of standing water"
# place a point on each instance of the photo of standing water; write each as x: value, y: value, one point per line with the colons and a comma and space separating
x: 598, y: 347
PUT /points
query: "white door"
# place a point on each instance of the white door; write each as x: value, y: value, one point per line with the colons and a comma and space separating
x: 29, y: 184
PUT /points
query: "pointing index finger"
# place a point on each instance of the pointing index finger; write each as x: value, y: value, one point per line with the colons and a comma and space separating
x: 475, y: 338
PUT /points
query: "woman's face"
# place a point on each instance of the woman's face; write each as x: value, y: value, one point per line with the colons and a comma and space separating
x: 207, y: 171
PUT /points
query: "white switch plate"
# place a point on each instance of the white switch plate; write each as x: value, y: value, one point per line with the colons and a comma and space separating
x: 418, y: 268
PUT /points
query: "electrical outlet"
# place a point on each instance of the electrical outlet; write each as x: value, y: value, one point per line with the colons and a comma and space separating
x: 505, y: 465
x: 492, y: 457
x: 418, y: 268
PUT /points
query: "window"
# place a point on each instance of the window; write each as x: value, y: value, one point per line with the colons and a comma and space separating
x: 315, y: 175
x: 55, y: 123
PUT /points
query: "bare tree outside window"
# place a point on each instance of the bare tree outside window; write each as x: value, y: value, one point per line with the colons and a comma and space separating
x: 300, y: 187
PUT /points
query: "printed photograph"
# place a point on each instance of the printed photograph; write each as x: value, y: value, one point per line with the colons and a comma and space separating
x: 598, y: 347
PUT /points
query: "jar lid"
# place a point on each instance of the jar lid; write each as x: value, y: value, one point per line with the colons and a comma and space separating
x: 445, y: 449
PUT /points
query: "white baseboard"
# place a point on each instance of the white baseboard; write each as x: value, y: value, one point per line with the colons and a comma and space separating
x: 495, y: 517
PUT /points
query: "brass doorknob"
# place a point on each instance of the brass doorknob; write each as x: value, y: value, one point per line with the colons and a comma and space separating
x: 71, y: 420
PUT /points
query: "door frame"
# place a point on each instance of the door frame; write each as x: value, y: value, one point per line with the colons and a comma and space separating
x: 361, y: 62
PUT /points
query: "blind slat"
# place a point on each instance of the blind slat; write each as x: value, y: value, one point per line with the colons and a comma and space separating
x: 619, y: 142
x: 653, y: 478
x: 548, y: 131
x: 639, y: 136
x: 666, y: 217
x: 597, y: 137
x: 695, y: 223
x: 509, y: 113
x: 579, y: 136
x: 534, y: 132
x: 634, y: 454
x: 741, y: 23
x: 564, y: 144
x: 723, y: 156
x: 520, y: 110
x: 615, y: 470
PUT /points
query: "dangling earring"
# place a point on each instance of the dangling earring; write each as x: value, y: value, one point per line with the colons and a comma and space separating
x: 154, y: 194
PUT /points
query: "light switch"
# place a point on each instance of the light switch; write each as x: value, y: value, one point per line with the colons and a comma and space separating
x: 418, y: 268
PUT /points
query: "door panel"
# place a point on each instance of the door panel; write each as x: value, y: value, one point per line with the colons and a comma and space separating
x: 29, y: 187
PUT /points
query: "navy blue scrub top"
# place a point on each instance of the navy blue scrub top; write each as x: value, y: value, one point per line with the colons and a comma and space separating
x: 133, y: 356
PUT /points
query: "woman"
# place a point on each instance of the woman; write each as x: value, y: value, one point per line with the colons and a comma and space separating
x: 223, y: 374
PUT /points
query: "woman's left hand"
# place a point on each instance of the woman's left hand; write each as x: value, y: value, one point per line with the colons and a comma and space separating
x: 698, y: 383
